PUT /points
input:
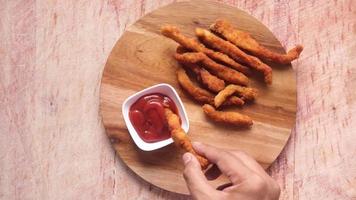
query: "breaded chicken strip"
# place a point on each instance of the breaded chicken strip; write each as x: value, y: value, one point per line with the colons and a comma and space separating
x: 200, y: 94
x: 246, y: 94
x: 234, y: 52
x: 180, y: 138
x: 194, y: 45
x: 219, y: 70
x: 212, y: 82
x: 234, y: 100
x: 245, y: 41
x: 232, y: 118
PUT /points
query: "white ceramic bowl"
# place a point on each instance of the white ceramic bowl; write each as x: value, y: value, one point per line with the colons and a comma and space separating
x: 162, y: 88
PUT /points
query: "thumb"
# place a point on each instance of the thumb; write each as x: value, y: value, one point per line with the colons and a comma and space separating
x: 194, y: 177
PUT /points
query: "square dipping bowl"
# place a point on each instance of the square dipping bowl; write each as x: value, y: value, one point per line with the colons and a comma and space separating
x: 164, y: 89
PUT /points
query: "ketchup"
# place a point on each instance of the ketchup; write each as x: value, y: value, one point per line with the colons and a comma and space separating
x: 148, y: 118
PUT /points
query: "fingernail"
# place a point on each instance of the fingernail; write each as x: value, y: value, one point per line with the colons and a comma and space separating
x: 186, y: 158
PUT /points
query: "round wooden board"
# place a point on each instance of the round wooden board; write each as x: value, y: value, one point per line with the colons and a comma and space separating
x: 142, y: 58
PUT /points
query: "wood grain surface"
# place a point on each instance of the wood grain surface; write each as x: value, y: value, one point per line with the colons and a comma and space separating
x: 52, y: 54
x: 143, y: 57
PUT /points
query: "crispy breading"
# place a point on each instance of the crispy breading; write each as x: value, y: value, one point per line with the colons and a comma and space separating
x: 245, y: 41
x: 173, y: 33
x: 180, y: 138
x: 227, y: 117
x: 217, y: 69
x: 234, y: 52
x: 200, y: 94
x: 194, y: 45
x: 234, y: 100
x: 194, y: 68
x: 246, y: 93
x: 212, y: 82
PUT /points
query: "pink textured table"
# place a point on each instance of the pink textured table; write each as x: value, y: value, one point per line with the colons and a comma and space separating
x: 53, y: 145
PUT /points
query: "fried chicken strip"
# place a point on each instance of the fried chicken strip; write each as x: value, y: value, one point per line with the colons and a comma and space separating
x: 234, y: 100
x: 245, y: 41
x: 200, y: 94
x: 194, y: 68
x: 232, y: 118
x: 219, y: 70
x: 212, y: 82
x: 247, y: 94
x: 194, y: 45
x: 234, y: 52
x: 180, y: 138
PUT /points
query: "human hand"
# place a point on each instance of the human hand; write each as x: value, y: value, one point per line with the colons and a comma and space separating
x: 249, y: 181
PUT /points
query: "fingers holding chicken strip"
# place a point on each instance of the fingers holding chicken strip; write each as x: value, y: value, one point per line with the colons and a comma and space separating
x: 234, y: 52
x: 180, y: 138
x: 245, y: 41
x: 227, y: 117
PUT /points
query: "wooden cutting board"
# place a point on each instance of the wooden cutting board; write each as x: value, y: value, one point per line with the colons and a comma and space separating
x: 142, y: 58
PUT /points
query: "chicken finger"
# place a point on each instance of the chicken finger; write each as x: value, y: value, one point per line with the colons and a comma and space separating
x: 233, y: 118
x: 212, y: 82
x: 245, y: 41
x: 237, y: 54
x: 201, y: 95
x: 180, y: 138
x: 247, y: 94
x: 195, y: 91
x: 194, y: 45
x: 219, y: 70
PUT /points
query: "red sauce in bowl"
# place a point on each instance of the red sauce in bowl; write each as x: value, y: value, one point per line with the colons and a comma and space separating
x: 148, y: 119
